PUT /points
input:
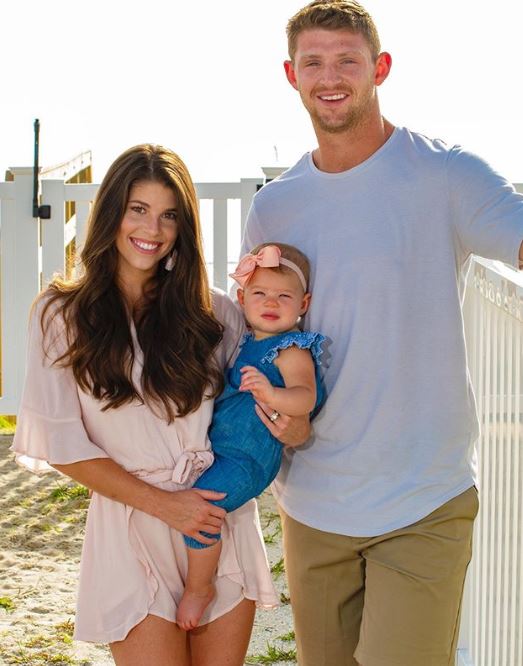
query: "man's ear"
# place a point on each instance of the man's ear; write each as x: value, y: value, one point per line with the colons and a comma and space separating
x: 382, y: 69
x: 306, y: 301
x: 290, y: 74
x: 239, y: 296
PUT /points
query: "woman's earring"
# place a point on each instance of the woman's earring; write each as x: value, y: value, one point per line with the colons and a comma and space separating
x: 171, y: 261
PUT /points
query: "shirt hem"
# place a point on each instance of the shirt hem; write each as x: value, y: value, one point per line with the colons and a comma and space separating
x: 377, y: 530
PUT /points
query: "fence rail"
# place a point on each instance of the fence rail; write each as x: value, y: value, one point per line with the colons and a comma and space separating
x: 492, y: 620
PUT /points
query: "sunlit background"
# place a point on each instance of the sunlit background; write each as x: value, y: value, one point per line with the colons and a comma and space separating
x: 206, y: 79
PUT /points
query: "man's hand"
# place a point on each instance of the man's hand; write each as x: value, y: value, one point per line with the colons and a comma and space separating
x: 289, y: 430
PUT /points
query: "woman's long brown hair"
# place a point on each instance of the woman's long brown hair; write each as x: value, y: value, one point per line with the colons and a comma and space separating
x: 176, y: 328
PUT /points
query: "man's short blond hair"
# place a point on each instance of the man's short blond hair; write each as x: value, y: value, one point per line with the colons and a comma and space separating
x: 333, y: 15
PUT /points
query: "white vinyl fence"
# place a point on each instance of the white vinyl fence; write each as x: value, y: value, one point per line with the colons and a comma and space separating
x: 492, y: 625
x: 492, y: 621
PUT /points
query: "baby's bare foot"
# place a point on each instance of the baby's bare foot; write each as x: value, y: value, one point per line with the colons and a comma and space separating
x: 192, y: 605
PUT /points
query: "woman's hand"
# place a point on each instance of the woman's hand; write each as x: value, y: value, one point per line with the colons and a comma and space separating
x: 189, y: 512
x: 289, y: 430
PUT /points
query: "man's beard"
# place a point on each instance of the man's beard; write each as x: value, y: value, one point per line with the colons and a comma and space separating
x: 355, y: 116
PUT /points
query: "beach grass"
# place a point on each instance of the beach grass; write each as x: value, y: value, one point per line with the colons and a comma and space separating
x: 7, y: 425
x: 273, y: 655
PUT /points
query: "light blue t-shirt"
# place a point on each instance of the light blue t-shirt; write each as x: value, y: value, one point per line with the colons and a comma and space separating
x: 388, y: 241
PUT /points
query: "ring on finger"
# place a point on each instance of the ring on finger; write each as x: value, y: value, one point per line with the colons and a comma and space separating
x: 274, y: 416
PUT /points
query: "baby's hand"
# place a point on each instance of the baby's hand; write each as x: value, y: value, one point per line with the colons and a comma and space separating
x: 257, y: 383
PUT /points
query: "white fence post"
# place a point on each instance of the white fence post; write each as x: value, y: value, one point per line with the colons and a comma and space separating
x: 220, y: 243
x: 249, y: 187
x: 20, y: 282
x: 53, y: 230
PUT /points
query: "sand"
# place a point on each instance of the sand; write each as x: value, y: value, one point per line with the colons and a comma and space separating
x: 41, y: 531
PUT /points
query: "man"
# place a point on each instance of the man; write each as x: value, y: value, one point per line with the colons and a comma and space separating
x: 378, y: 506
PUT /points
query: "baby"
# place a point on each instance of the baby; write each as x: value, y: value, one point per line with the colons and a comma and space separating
x: 277, y: 365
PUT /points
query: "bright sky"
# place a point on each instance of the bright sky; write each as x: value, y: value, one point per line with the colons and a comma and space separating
x: 205, y: 78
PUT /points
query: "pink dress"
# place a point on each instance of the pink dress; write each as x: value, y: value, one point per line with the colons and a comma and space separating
x: 132, y: 563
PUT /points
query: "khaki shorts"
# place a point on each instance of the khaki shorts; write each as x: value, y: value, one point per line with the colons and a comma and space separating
x: 390, y: 600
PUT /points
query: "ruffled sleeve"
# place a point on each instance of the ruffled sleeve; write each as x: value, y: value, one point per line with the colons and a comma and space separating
x: 302, y: 339
x: 49, y: 426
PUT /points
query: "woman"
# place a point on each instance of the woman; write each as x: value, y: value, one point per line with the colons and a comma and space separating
x: 123, y: 366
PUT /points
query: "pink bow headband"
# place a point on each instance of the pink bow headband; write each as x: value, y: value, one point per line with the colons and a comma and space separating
x: 268, y: 257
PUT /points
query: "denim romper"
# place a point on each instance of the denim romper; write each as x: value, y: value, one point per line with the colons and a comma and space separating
x: 247, y: 456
